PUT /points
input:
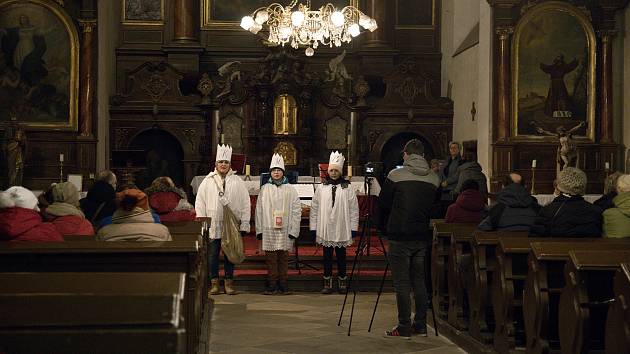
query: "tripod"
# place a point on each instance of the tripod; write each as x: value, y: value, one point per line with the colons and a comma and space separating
x: 298, y: 262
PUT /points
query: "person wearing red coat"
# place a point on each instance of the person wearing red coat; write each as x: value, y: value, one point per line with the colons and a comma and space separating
x: 20, y: 219
x: 469, y: 206
x: 168, y: 201
x: 64, y: 211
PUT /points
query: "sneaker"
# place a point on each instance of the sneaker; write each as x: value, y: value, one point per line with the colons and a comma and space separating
x: 422, y: 332
x: 397, y: 333
x: 327, y: 286
x: 283, y: 289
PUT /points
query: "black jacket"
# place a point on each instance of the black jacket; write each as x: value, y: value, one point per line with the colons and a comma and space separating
x: 569, y: 216
x: 515, y: 210
x: 406, y: 200
x: 471, y: 170
x: 100, y: 193
x: 606, y: 200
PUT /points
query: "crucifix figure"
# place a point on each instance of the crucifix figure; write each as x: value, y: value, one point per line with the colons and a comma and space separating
x: 567, y: 151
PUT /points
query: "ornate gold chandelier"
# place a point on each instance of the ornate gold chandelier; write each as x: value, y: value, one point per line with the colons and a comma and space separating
x: 306, y: 27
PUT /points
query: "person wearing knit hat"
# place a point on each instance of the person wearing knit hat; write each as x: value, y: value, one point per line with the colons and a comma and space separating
x: 278, y: 215
x: 222, y: 193
x: 64, y: 212
x: 20, y: 219
x: 617, y: 219
x: 132, y: 221
x: 569, y: 215
x: 168, y: 201
x: 334, y: 218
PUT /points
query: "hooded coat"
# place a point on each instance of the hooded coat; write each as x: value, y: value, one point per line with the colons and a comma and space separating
x: 406, y: 200
x: 472, y: 170
x: 468, y: 208
x: 64, y: 212
x: 21, y: 224
x: 569, y: 216
x: 617, y: 219
x: 101, y: 193
x: 134, y: 225
x: 170, y: 204
x: 515, y: 210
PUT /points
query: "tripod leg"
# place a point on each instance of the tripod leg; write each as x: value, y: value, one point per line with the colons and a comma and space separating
x: 354, y: 265
x: 378, y: 297
x: 354, y: 292
x: 434, y: 322
x: 297, y: 258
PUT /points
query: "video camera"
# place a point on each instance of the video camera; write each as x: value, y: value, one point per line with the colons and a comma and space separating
x: 369, y: 170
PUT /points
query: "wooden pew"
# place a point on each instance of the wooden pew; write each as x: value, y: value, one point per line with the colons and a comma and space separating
x: 484, y: 246
x: 92, y: 313
x: 183, y: 227
x: 440, y: 249
x: 544, y: 283
x: 458, y: 262
x: 618, y: 319
x: 585, y: 299
x: 95, y: 256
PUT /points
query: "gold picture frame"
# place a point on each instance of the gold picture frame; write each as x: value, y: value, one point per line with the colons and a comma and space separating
x: 208, y: 22
x: 142, y: 19
x: 46, y: 92
x: 526, y: 116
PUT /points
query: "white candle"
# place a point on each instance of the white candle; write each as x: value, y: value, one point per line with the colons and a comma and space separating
x: 533, y: 163
x: 222, y: 138
x: 349, y: 171
x: 607, y: 164
x: 349, y: 139
x: 247, y: 170
x: 60, y: 157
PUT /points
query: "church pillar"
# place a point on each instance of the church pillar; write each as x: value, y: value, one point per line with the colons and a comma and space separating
x: 503, y: 84
x: 86, y: 80
x: 606, y: 92
x: 377, y: 9
x: 185, y: 30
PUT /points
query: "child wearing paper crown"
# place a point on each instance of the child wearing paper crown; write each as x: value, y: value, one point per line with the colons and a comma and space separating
x: 278, y: 214
x: 222, y: 187
x: 335, y: 217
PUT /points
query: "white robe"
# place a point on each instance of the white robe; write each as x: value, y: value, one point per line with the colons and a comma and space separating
x: 281, y: 198
x: 207, y: 203
x: 334, y: 225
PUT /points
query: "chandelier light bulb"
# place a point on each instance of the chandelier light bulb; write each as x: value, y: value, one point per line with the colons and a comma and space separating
x: 247, y: 22
x: 262, y: 16
x: 337, y: 19
x: 373, y: 26
x: 255, y: 28
x: 309, y: 52
x: 285, y: 32
x: 354, y: 30
x: 364, y: 21
x: 297, y: 18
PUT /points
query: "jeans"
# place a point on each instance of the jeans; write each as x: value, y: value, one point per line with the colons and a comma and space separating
x: 406, y: 259
x: 213, y: 261
x: 341, y: 261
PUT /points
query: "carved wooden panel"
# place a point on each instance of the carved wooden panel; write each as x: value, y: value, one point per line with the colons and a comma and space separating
x: 336, y: 133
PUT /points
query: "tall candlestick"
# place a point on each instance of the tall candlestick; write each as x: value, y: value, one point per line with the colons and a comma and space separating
x: 533, y: 163
x: 247, y: 170
x: 60, y: 157
x: 607, y: 166
x: 533, y: 189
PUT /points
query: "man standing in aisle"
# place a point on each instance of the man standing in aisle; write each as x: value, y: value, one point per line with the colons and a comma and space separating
x: 406, y: 199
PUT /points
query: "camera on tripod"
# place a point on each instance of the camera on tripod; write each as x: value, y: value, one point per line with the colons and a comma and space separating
x: 369, y: 170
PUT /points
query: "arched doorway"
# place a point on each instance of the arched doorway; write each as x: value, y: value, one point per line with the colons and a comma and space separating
x: 164, y: 157
x: 391, y: 155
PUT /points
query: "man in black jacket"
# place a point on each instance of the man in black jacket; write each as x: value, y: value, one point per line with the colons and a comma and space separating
x: 406, y: 200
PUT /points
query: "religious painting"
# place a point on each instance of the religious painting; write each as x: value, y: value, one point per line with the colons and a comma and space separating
x: 228, y: 14
x: 232, y: 131
x: 423, y: 15
x: 38, y: 65
x: 143, y: 12
x: 336, y: 134
x: 288, y: 152
x: 285, y: 115
x: 553, y: 72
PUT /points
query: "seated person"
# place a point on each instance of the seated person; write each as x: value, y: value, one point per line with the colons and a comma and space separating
x: 108, y: 219
x: 471, y: 170
x: 617, y: 219
x: 64, y: 212
x: 168, y: 201
x: 20, y: 219
x: 469, y: 206
x: 606, y: 200
x: 132, y: 221
x: 515, y: 209
x: 569, y: 215
x: 100, y: 201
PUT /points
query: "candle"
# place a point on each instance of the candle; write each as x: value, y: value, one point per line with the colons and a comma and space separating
x: 247, y: 170
x: 222, y: 138
x: 533, y: 163
x: 60, y: 157
x: 349, y: 171
x: 607, y: 164
x: 349, y: 139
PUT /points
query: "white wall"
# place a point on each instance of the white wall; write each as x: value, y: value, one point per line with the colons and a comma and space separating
x: 107, y: 27
x: 623, y: 98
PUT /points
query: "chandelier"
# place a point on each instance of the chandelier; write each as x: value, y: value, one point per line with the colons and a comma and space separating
x: 307, y: 27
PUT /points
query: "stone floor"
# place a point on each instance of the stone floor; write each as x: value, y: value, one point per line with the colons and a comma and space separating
x: 307, y: 323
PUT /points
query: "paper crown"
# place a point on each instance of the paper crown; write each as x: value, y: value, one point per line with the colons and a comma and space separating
x: 277, y: 161
x: 224, y: 153
x: 336, y: 161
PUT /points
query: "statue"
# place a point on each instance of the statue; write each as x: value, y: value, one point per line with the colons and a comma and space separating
x: 338, y: 73
x: 14, y: 147
x: 232, y: 72
x: 558, y: 103
x: 567, y: 151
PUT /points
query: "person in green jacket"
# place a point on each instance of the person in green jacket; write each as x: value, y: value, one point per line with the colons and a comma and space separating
x: 617, y: 219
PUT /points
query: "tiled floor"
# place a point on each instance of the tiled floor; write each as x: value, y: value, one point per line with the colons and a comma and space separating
x: 307, y: 323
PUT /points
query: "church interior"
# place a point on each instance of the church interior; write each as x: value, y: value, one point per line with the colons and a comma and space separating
x: 461, y: 167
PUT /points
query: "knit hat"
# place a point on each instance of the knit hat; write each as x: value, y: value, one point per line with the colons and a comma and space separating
x: 277, y: 161
x: 19, y: 197
x: 336, y: 161
x: 572, y: 181
x: 132, y: 198
x: 65, y: 192
x: 623, y: 184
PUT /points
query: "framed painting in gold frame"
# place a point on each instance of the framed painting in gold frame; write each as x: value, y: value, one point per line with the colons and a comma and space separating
x: 223, y: 14
x: 143, y: 12
x: 39, y: 65
x: 553, y: 72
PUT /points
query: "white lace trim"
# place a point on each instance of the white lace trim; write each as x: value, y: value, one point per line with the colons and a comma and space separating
x: 326, y: 243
